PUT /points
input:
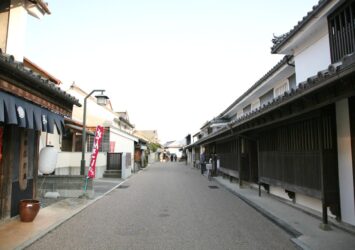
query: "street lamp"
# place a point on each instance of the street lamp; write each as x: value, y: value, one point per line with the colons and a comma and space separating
x: 101, y: 100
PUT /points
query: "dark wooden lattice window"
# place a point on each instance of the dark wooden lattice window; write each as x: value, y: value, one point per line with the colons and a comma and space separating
x: 247, y: 109
x: 227, y: 154
x: 105, y: 143
x: 341, y: 24
x: 267, y: 97
x: 289, y: 155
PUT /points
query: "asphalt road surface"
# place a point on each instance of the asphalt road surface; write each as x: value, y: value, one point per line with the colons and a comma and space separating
x: 167, y: 206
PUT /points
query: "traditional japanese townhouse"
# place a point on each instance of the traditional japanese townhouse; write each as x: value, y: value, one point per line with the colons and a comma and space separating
x: 293, y: 131
x: 175, y: 147
x: 149, y: 139
x: 31, y: 107
x: 118, y: 143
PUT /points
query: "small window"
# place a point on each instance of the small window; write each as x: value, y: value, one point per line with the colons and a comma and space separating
x: 341, y: 31
x: 247, y: 109
x: 255, y: 105
x: 280, y: 90
x: 292, y: 81
x: 267, y: 97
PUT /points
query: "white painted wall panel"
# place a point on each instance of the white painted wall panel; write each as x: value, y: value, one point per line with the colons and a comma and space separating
x: 312, y: 59
x: 346, y: 181
x: 17, y: 30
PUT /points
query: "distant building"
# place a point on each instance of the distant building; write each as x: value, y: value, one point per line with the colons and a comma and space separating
x: 174, y: 147
x: 150, y: 135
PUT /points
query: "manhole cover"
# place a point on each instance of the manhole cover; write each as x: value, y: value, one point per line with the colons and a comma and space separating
x: 122, y: 187
x: 213, y: 187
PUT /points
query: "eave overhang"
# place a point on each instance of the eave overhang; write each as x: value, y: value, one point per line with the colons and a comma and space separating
x: 24, y: 78
x: 335, y: 73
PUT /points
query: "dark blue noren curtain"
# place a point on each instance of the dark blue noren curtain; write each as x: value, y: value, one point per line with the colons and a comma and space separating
x: 17, y: 111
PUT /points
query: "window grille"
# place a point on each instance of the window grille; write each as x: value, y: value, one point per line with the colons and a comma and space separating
x: 255, y: 105
x: 247, y: 109
x: 341, y: 26
x: 281, y: 89
x: 105, y: 143
x: 267, y: 97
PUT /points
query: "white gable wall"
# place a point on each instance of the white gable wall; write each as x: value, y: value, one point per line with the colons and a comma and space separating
x: 16, y: 30
x: 312, y: 59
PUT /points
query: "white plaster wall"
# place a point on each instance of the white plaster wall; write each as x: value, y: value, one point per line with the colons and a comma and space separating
x: 126, y: 170
x: 95, y: 114
x: 280, y: 192
x: 189, y: 156
x: 309, y: 202
x: 300, y: 199
x: 69, y: 163
x: 312, y: 59
x: 346, y: 183
x: 175, y: 151
x: 153, y: 157
x: 124, y: 143
x: 54, y: 140
x: 17, y: 30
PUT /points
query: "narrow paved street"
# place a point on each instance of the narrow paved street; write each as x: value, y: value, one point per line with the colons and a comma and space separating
x: 167, y: 206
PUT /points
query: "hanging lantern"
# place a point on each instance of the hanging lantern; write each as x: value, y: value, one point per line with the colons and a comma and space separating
x: 47, y: 159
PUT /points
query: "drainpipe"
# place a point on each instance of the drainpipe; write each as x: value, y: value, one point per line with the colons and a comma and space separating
x: 288, y: 59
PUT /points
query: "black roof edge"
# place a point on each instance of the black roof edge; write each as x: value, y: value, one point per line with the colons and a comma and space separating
x: 332, y: 71
x: 41, y: 84
x: 281, y: 63
x: 279, y: 41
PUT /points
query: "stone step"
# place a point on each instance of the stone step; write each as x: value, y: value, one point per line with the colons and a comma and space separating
x: 112, y: 174
x: 113, y: 171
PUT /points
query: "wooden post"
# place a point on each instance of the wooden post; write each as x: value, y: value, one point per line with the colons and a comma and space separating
x: 240, y: 152
x: 8, y: 161
x: 35, y: 165
x: 73, y: 142
x: 324, y: 225
x: 258, y: 152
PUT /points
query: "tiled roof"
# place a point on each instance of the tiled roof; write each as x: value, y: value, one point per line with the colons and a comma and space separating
x: 34, y: 80
x: 281, y: 63
x: 278, y: 41
x: 331, y: 73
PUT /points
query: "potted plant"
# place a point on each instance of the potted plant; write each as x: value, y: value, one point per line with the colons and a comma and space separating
x: 28, y: 209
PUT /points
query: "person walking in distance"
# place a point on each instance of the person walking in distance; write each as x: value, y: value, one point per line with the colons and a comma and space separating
x: 203, y: 162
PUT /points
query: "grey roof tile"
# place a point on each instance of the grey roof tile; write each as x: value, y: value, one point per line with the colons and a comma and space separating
x: 347, y: 62
x: 43, y: 84
x: 278, y: 41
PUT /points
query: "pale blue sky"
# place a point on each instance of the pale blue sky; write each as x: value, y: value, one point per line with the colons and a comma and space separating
x: 171, y: 64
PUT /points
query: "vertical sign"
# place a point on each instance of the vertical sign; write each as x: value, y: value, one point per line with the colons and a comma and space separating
x: 95, y: 150
x: 112, y: 146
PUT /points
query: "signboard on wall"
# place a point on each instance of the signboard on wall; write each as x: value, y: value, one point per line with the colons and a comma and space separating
x: 128, y: 160
x: 112, y: 146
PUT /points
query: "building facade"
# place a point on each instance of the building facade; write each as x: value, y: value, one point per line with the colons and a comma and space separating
x: 293, y: 131
x: 32, y: 109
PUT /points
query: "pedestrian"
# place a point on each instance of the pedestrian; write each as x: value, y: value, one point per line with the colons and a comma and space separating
x: 175, y: 157
x: 171, y: 158
x: 203, y: 162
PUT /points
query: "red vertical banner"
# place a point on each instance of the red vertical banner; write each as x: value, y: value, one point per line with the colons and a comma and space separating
x: 112, y: 146
x: 95, y: 150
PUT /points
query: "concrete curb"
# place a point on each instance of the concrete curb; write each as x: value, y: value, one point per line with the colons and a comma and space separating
x: 75, y: 212
x: 280, y: 223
